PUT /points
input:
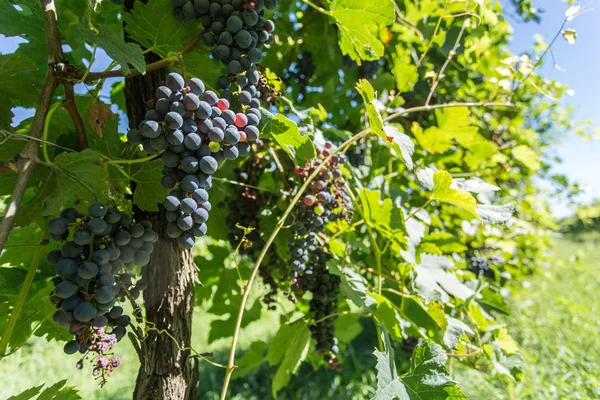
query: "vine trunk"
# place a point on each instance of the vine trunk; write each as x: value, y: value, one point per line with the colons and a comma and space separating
x: 166, y: 371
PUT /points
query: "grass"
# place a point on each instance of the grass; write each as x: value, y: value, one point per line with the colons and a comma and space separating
x: 556, y: 320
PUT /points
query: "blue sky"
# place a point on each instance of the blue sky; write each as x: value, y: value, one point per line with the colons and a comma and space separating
x: 579, y: 66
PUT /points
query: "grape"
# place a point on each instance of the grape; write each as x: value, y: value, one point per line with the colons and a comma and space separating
x: 191, y: 101
x: 270, y: 4
x: 53, y: 257
x: 58, y: 226
x: 215, y: 11
x: 69, y: 304
x: 223, y: 104
x: 173, y: 231
x: 200, y: 215
x: 207, y: 206
x: 82, y: 238
x: 84, y: 312
x: 188, y: 205
x: 178, y: 107
x: 115, y: 312
x: 65, y: 289
x: 192, y: 141
x: 189, y: 165
x: 201, y: 6
x: 142, y: 257
x: 173, y: 120
x: 240, y: 120
x: 253, y: 119
x: 200, y: 196
x: 221, y: 52
x: 190, y: 183
x: 223, y: 82
x: 196, y: 85
x: 185, y: 222
x: 234, y: 24
x: 231, y: 136
x: 252, y: 133
x: 243, y: 39
x: 70, y: 214
x: 250, y: 17
x: 101, y: 257
x: 134, y: 137
x: 243, y: 149
x: 150, y: 129
x: 216, y: 134
x: 136, y: 230
x: 219, y: 123
x: 175, y: 81
x: 226, y: 39
x: 159, y: 143
x: 66, y: 268
x: 216, y: 112
x: 203, y: 110
x: 199, y: 230
x: 127, y: 254
x: 244, y: 97
x: 255, y: 55
x: 72, y: 347
x: 208, y: 39
x: 71, y: 249
x: 168, y: 182
x: 186, y: 240
x: 100, y: 321
x: 208, y: 165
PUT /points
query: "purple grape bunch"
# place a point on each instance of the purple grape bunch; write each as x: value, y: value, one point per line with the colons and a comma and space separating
x: 237, y: 29
x: 196, y: 130
x: 93, y: 268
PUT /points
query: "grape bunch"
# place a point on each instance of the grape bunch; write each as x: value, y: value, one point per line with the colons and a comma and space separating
x: 482, y: 266
x: 92, y: 274
x: 236, y: 28
x: 196, y: 130
x: 326, y: 200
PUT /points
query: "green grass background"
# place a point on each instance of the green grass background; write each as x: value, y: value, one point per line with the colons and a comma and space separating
x: 556, y: 320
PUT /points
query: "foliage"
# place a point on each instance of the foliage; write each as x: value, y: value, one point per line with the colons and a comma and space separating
x: 427, y: 189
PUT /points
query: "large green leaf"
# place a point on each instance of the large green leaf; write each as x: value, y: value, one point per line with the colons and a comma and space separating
x: 383, y: 216
x: 368, y: 94
x: 288, y: 348
x: 358, y: 22
x: 436, y: 282
x: 111, y: 39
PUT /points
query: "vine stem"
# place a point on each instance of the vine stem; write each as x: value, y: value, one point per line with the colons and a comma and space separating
x: 16, y: 311
x: 485, y: 104
x: 51, y: 111
x: 134, y: 160
x: 417, y: 210
x: 261, y: 256
x: 56, y: 65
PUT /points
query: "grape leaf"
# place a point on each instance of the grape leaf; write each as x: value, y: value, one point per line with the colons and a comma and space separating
x: 389, y: 316
x: 251, y: 360
x: 368, y: 94
x: 18, y: 81
x: 401, y: 144
x: 454, y: 331
x: 58, y: 391
x: 27, y: 22
x: 285, y: 132
x: 527, y: 157
x: 443, y: 192
x: 383, y: 216
x: 495, y: 215
x: 153, y: 26
x: 110, y: 38
x: 357, y: 21
x: 148, y: 190
x: 389, y: 386
x: 427, y: 377
x: 76, y: 175
x: 288, y: 348
x: 435, y: 282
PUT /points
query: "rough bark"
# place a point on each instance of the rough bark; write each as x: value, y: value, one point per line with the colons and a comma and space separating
x: 166, y: 371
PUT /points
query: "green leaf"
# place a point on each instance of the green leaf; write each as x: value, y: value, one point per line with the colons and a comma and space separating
x: 111, y: 39
x: 428, y: 378
x: 389, y: 387
x: 285, y: 132
x: 495, y: 215
x: 570, y: 35
x: 389, y: 316
x: 289, y: 348
x: 153, y: 26
x: 358, y: 22
x: 76, y: 175
x: 527, y: 157
x: 58, y: 391
x: 368, y: 94
x: 492, y: 300
x: 443, y: 193
x: 251, y: 360
x: 27, y: 22
x: 435, y: 282
x: 19, y: 85
x: 149, y: 193
x: 383, y: 216
x: 454, y: 331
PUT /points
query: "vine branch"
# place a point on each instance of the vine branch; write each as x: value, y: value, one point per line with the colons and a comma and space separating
x: 26, y: 163
x: 71, y: 107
